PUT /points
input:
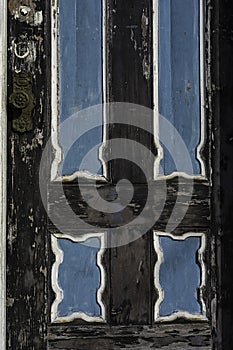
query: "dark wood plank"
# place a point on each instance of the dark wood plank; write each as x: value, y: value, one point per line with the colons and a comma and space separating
x: 213, y: 112
x: 27, y: 220
x: 130, y: 75
x: 195, y: 206
x: 166, y: 337
x: 131, y: 282
x: 223, y: 195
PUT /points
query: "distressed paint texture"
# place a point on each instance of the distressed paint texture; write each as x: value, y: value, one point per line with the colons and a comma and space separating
x: 28, y: 283
x: 179, y: 275
x: 80, y: 74
x: 179, y: 76
x: 26, y: 11
x: 79, y: 277
x: 166, y: 337
x: 27, y: 221
x: 3, y: 169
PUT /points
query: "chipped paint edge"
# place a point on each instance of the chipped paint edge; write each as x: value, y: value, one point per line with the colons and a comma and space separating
x: 156, y: 88
x: 59, y: 292
x: 80, y: 174
x: 201, y: 144
x: 3, y: 168
x: 54, y: 92
x: 175, y: 174
x: 201, y: 250
x: 55, y: 268
x: 202, y: 88
x: 104, y: 82
x: 58, y: 153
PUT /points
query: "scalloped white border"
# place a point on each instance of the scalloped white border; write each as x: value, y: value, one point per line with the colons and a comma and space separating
x: 59, y: 292
x: 55, y: 109
x: 201, y: 250
x: 201, y: 144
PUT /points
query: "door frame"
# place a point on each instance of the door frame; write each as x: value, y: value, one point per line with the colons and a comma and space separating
x: 3, y: 168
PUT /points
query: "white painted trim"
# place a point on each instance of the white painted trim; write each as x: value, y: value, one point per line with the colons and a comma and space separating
x: 58, y: 153
x: 201, y: 251
x: 3, y: 168
x: 54, y: 92
x: 80, y: 174
x: 181, y: 314
x: 54, y: 275
x: 156, y: 89
x: 179, y: 174
x: 59, y: 292
x: 156, y: 95
x: 202, y: 88
x: 104, y: 80
x: 156, y: 276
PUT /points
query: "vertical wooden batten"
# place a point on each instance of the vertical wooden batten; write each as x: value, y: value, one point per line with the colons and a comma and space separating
x: 26, y: 216
x: 3, y: 164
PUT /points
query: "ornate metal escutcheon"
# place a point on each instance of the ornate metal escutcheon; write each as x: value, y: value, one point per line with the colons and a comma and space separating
x: 22, y: 99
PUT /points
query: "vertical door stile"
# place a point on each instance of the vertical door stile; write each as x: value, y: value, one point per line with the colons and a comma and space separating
x: 3, y: 168
x: 131, y: 81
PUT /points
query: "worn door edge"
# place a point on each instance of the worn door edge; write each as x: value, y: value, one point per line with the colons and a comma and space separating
x: 3, y: 168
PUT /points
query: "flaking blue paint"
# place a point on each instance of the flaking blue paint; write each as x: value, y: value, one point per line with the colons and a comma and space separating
x: 179, y: 76
x: 179, y: 275
x: 80, y: 73
x: 79, y: 277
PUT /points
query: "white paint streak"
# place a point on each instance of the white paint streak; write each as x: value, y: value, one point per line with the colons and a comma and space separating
x: 156, y: 276
x: 59, y: 292
x: 202, y: 87
x: 104, y: 80
x: 3, y: 168
x: 38, y: 18
x: 179, y: 174
x: 81, y: 174
x: 156, y: 88
x: 54, y: 92
x: 201, y: 251
x: 55, y: 269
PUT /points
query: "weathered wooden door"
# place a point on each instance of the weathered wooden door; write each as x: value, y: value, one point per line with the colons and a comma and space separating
x: 110, y: 239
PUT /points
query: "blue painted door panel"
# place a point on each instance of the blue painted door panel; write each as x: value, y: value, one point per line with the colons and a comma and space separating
x: 79, y: 278
x: 179, y: 275
x: 80, y: 71
x: 81, y: 86
x: 179, y: 75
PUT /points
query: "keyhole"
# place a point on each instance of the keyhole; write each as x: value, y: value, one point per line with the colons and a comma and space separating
x: 24, y: 10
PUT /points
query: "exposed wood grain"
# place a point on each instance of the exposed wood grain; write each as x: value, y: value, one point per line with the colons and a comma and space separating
x: 223, y: 172
x: 130, y: 75
x: 3, y: 169
x: 27, y: 219
x: 130, y: 282
x: 166, y: 337
x: 196, y: 217
x: 212, y: 112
